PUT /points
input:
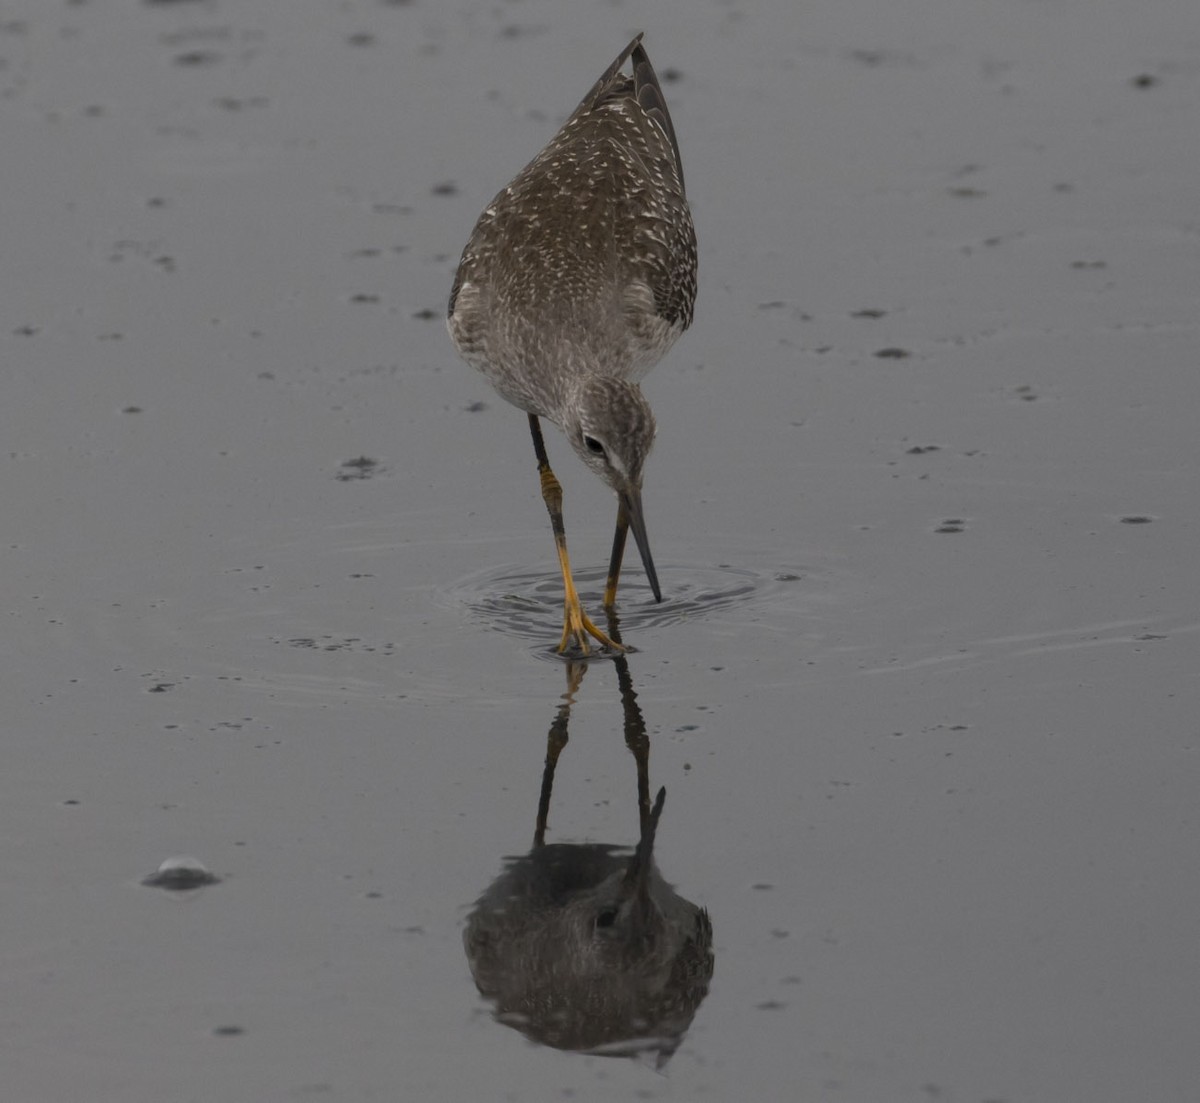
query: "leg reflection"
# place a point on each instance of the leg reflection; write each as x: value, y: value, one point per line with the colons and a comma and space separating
x: 585, y: 946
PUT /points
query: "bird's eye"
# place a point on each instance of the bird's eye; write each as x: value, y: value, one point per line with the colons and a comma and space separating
x: 606, y: 918
x: 593, y: 445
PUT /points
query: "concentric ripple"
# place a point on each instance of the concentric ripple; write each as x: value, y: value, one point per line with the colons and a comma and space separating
x: 529, y: 604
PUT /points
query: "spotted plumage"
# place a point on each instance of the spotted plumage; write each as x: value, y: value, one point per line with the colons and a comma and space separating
x: 580, y: 275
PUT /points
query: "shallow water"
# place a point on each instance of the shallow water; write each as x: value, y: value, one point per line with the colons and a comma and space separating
x: 282, y: 592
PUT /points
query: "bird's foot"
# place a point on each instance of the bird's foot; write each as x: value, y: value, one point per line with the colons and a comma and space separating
x: 577, y: 626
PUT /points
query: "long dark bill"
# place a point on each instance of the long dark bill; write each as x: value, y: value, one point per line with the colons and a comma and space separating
x: 637, y: 874
x: 632, y: 500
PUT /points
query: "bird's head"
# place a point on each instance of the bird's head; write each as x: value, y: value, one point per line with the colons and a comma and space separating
x: 611, y: 427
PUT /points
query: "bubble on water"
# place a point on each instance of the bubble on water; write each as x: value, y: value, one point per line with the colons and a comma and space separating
x: 181, y: 873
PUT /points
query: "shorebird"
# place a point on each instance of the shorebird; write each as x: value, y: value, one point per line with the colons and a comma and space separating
x: 578, y: 277
x: 583, y: 948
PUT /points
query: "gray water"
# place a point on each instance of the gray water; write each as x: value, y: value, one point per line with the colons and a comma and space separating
x: 281, y: 593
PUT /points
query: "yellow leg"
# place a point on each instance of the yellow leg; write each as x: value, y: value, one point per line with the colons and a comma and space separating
x: 577, y: 625
x: 556, y: 740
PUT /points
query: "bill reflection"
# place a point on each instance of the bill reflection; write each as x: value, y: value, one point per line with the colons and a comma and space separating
x: 586, y: 947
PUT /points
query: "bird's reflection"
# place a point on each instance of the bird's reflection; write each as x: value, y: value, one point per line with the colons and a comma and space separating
x: 585, y: 946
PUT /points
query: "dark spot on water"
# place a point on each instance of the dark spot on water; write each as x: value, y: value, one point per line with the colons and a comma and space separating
x: 25, y: 331
x: 198, y: 58
x: 363, y: 467
x: 350, y: 644
x: 1136, y: 519
x: 476, y: 407
x: 770, y: 1005
x: 229, y: 1031
x: 1089, y: 265
x: 951, y: 525
x: 688, y: 728
x: 446, y: 187
x: 869, y: 312
x: 762, y: 886
x: 360, y: 38
x: 72, y: 801
x: 131, y: 409
x: 1144, y: 80
x: 774, y: 304
x: 1025, y: 393
x: 892, y: 353
x: 787, y: 576
x: 671, y: 75
x: 161, y: 687
x: 364, y: 297
x: 966, y: 193
x: 181, y: 875
x: 427, y: 315
x: 921, y: 449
